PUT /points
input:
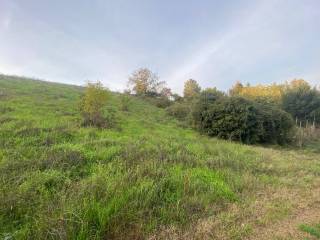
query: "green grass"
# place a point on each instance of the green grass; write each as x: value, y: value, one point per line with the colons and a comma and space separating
x: 312, y: 230
x: 59, y: 180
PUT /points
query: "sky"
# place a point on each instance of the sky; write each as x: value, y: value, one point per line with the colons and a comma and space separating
x: 214, y: 42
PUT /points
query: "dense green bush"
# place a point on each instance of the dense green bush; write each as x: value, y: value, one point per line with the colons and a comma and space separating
x: 302, y: 102
x: 228, y: 118
x: 277, y: 126
x: 240, y: 119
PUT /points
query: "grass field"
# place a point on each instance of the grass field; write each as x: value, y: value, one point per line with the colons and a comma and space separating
x: 144, y: 177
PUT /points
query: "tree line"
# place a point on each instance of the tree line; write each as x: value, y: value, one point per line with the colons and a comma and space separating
x: 249, y: 114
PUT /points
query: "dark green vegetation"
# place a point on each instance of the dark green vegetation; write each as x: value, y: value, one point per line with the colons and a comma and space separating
x: 241, y: 119
x: 248, y: 114
x: 312, y: 230
x: 302, y: 102
x: 143, y: 173
x: 235, y: 118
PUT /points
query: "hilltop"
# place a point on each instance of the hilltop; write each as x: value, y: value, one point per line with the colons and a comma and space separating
x: 146, y: 176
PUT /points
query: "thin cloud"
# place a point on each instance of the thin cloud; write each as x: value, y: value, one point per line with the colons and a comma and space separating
x: 216, y: 43
x: 255, y: 42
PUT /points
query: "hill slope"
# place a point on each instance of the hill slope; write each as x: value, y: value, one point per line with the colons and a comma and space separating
x: 143, y: 177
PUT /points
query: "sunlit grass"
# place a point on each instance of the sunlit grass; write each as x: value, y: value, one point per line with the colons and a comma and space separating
x: 60, y: 180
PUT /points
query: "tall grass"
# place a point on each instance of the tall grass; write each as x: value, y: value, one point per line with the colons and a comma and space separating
x: 59, y: 180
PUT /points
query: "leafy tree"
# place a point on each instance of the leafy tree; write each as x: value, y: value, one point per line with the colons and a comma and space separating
x: 236, y: 89
x: 205, y: 100
x: 165, y: 92
x: 211, y: 95
x: 191, y: 89
x: 301, y: 101
x: 270, y: 93
x: 143, y: 82
x: 92, y: 103
x: 176, y: 97
x: 275, y: 125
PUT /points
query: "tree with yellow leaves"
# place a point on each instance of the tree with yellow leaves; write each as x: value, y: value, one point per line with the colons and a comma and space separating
x: 191, y: 89
x: 92, y: 103
x: 270, y: 93
x: 144, y: 82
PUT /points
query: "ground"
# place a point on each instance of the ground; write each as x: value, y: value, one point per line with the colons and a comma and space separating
x: 289, y: 197
x: 146, y: 176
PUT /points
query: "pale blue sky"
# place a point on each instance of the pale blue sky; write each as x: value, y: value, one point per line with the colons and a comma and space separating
x: 214, y: 42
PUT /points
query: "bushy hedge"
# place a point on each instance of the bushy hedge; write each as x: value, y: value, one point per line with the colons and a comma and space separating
x: 240, y: 119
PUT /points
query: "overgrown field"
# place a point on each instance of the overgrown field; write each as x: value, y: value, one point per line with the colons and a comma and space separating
x: 144, y: 176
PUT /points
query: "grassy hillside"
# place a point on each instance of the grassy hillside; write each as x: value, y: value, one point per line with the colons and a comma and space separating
x: 143, y: 177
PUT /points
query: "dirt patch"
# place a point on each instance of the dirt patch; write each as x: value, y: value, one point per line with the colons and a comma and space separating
x: 307, y: 212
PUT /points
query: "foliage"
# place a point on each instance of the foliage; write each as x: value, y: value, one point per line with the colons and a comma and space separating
x: 276, y: 125
x: 191, y: 89
x: 176, y: 97
x: 270, y: 93
x: 146, y: 83
x: 165, y: 92
x: 229, y: 118
x: 206, y: 99
x: 236, y: 89
x: 92, y: 103
x: 237, y: 118
x: 302, y: 101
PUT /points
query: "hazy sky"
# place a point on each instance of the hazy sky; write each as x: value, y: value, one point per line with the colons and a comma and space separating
x: 214, y: 42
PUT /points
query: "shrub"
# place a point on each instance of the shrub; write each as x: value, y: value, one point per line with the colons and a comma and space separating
x: 240, y: 119
x: 302, y: 101
x: 179, y: 110
x: 276, y: 125
x: 92, y: 104
x: 233, y: 119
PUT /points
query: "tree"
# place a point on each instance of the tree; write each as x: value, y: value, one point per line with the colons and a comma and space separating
x: 211, y: 95
x: 176, y: 97
x: 202, y: 104
x: 301, y: 101
x: 166, y: 92
x: 236, y: 89
x: 92, y: 103
x: 191, y: 89
x: 269, y: 93
x: 143, y: 82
